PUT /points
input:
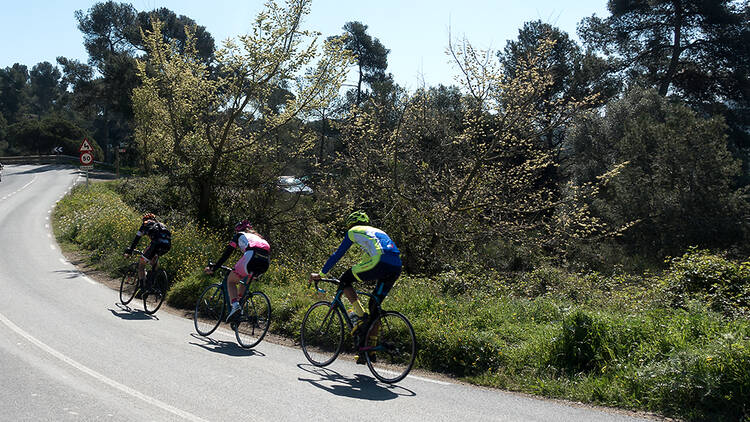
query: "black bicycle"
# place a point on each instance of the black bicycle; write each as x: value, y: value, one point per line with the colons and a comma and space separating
x: 249, y: 327
x: 153, y: 290
x: 389, y: 344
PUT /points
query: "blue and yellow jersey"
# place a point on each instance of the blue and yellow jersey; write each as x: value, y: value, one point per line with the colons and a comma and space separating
x: 375, y: 243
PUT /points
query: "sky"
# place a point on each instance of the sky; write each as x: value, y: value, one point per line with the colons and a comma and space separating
x: 415, y: 31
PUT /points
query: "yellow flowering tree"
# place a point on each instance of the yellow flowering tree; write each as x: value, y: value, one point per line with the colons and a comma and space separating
x: 461, y: 171
x: 231, y: 126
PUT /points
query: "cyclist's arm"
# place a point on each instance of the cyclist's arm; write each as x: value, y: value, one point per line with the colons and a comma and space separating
x: 135, y: 241
x: 227, y: 253
x: 333, y: 259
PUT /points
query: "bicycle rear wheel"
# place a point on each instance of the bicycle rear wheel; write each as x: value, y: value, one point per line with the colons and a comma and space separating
x: 129, y: 284
x: 253, y: 324
x: 209, y: 310
x: 322, y: 333
x: 392, y: 356
x: 154, y: 296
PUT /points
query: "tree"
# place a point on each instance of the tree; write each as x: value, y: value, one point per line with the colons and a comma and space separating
x: 32, y: 136
x: 174, y: 29
x: 696, y: 50
x: 679, y: 181
x: 84, y: 94
x: 213, y: 128
x: 663, y: 39
x: 45, y: 88
x: 575, y: 74
x: 13, y: 92
x: 460, y: 169
x: 3, y: 135
x: 371, y: 58
x: 107, y: 29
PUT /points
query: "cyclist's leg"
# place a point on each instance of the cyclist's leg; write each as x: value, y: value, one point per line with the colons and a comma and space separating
x: 232, y: 281
x: 256, y: 264
x: 388, y: 274
x: 146, y: 258
x: 160, y: 249
x: 142, y: 268
x: 346, y: 286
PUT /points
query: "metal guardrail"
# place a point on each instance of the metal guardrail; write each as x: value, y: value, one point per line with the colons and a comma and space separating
x: 48, y: 159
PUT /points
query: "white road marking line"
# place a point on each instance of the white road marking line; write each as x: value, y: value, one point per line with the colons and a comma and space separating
x: 46, y: 218
x: 49, y: 234
x: 26, y: 185
x: 415, y: 377
x: 427, y: 380
x: 46, y: 226
x: 98, y: 376
x: 90, y: 281
x: 52, y: 247
x: 63, y: 261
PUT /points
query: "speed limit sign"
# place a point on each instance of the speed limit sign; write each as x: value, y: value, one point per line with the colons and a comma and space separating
x: 86, y: 158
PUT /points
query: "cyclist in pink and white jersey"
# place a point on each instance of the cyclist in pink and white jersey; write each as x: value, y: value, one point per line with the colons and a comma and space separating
x: 256, y: 255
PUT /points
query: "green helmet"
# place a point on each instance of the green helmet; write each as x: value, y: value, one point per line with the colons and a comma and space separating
x: 357, y: 217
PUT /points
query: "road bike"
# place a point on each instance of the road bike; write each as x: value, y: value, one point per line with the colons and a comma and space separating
x: 250, y: 326
x: 389, y: 343
x: 152, y: 290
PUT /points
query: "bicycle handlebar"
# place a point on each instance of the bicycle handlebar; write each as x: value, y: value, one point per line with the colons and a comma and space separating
x: 223, y: 267
x: 337, y: 282
x: 328, y: 280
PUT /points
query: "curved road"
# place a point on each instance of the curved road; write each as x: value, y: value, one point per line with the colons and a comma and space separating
x: 69, y: 352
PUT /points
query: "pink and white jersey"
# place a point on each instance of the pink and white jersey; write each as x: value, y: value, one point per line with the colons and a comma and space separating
x: 244, y: 241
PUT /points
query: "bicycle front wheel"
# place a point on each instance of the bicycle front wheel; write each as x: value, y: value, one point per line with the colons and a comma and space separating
x: 154, y: 296
x: 322, y: 333
x: 391, y: 347
x: 129, y: 284
x: 209, y: 310
x: 253, y: 323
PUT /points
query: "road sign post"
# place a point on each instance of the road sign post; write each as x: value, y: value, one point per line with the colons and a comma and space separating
x: 87, y: 158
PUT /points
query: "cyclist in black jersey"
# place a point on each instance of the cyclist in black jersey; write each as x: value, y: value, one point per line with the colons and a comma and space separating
x: 161, y: 242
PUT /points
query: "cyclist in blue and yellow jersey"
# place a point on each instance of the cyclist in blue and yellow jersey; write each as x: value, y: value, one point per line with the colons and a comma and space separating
x: 382, y: 262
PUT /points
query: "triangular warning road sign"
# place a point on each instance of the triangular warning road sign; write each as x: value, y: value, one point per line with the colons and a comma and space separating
x: 85, y: 146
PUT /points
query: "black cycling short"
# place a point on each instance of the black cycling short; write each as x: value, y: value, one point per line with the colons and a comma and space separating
x: 253, y: 261
x: 385, y: 274
x: 157, y: 247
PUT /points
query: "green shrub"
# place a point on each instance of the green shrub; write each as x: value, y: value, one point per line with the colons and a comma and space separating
x: 153, y: 194
x: 185, y: 292
x: 582, y: 345
x: 723, y: 284
x: 711, y: 384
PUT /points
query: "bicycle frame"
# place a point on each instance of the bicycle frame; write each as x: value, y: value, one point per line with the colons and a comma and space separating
x: 154, y: 263
x: 336, y: 301
x: 245, y: 281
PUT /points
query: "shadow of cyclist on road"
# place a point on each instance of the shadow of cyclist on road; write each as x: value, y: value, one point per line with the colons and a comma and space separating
x: 228, y: 348
x: 129, y: 313
x: 360, y: 386
x: 70, y: 274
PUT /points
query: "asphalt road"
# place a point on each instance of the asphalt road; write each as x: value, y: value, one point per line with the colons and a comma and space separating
x: 69, y: 352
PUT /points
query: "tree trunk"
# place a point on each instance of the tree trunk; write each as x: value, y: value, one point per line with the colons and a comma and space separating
x: 676, y: 51
x: 204, y: 200
x: 359, y: 84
